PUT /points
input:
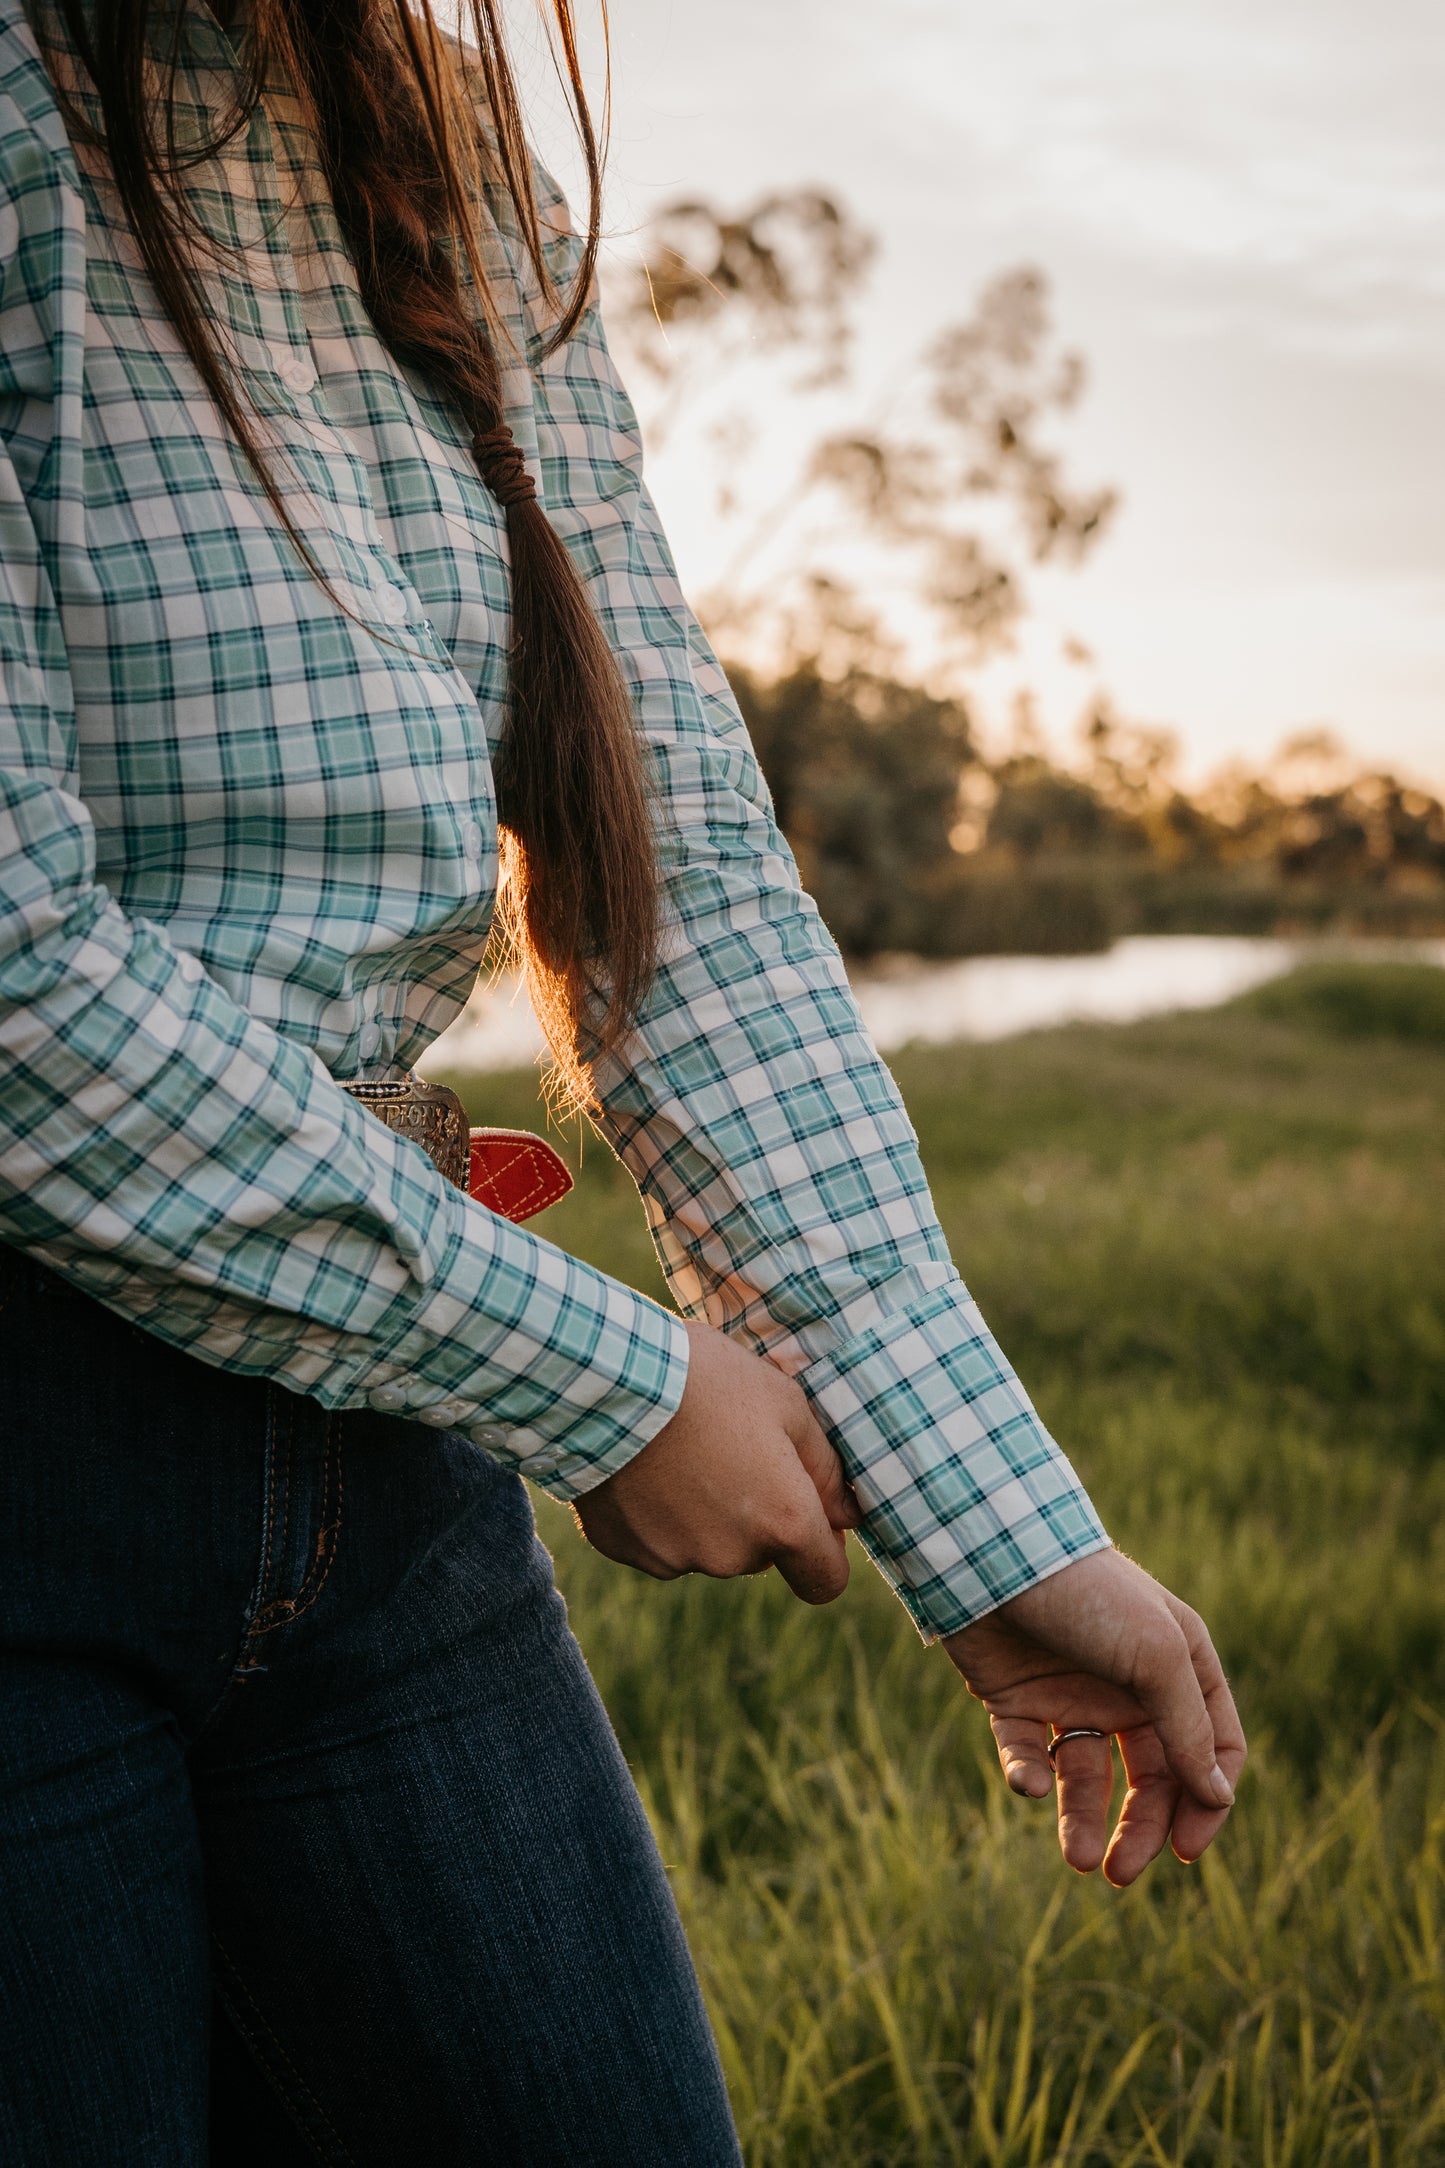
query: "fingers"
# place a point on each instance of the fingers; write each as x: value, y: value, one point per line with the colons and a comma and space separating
x: 1149, y: 1808
x: 1157, y: 1811
x: 812, y: 1555
x: 1195, y: 1829
x: 1085, y: 1771
x: 1086, y: 1783
x: 1168, y: 1685
x: 1196, y: 1824
x: 1022, y: 1743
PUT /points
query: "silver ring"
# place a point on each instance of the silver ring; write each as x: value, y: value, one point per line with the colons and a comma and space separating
x: 1080, y: 1731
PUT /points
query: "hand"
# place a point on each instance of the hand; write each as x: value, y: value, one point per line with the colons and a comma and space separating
x: 1099, y: 1644
x: 740, y: 1479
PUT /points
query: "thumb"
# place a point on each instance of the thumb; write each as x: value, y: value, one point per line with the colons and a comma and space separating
x: 1170, y: 1693
x: 811, y: 1556
x: 816, y: 1570
x: 825, y: 1469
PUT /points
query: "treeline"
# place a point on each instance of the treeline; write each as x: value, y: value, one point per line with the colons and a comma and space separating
x: 909, y: 832
x: 911, y: 839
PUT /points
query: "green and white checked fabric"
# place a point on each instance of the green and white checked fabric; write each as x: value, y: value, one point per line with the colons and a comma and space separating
x: 248, y: 845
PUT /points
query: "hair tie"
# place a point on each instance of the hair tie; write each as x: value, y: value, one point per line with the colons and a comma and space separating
x: 503, y: 466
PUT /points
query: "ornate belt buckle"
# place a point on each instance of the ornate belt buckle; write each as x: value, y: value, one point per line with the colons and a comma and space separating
x: 430, y: 1114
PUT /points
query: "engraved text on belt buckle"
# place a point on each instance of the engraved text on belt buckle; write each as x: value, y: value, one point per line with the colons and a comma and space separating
x: 430, y: 1114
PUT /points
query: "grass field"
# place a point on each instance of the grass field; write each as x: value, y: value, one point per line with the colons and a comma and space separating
x: 1214, y: 1246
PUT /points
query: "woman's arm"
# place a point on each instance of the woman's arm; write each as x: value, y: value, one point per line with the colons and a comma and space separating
x: 789, y: 1207
x: 779, y: 1171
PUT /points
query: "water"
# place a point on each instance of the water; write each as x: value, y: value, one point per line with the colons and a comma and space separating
x: 978, y: 997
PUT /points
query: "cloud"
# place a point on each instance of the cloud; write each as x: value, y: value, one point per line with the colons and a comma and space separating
x: 1273, y: 147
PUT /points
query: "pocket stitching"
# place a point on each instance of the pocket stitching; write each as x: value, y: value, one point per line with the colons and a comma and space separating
x: 304, y: 2097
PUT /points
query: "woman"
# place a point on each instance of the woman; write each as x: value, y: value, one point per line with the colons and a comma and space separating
x: 329, y: 587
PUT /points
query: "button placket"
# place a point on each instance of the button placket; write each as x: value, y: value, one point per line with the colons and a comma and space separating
x: 281, y: 321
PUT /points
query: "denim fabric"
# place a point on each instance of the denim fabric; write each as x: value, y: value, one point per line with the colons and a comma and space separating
x: 315, y: 1842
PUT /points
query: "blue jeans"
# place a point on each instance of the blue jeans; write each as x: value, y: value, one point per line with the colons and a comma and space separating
x: 315, y: 1842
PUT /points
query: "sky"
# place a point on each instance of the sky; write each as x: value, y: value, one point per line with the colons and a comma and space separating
x: 1240, y: 205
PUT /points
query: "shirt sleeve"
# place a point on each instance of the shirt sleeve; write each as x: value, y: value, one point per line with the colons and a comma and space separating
x: 780, y: 1174
x: 166, y: 1151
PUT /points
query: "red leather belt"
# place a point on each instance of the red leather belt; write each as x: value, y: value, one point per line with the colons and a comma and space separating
x: 510, y: 1171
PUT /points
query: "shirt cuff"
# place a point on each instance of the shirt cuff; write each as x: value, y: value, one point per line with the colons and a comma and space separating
x: 578, y: 1377
x: 966, y: 1498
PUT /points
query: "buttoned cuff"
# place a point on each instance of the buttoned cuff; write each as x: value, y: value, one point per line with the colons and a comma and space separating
x: 966, y: 1498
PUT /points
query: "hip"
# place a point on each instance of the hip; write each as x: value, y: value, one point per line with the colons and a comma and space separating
x: 200, y: 1530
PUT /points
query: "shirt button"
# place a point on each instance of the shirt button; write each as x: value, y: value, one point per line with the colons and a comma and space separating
x: 490, y: 1435
x: 392, y: 604
x: 294, y: 370
x: 369, y: 1041
x: 444, y: 1416
x: 387, y: 1399
x: 472, y: 840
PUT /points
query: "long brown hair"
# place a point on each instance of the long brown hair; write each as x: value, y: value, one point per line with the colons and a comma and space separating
x: 393, y: 107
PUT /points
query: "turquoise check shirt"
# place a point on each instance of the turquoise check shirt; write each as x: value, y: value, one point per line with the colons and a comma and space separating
x: 248, y: 845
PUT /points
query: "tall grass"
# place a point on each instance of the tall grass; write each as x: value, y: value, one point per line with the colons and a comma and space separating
x: 1215, y: 1247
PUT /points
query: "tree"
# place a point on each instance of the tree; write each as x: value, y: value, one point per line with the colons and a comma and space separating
x: 728, y: 312
x: 864, y: 774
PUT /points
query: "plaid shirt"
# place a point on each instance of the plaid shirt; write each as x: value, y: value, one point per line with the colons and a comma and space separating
x: 248, y: 845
